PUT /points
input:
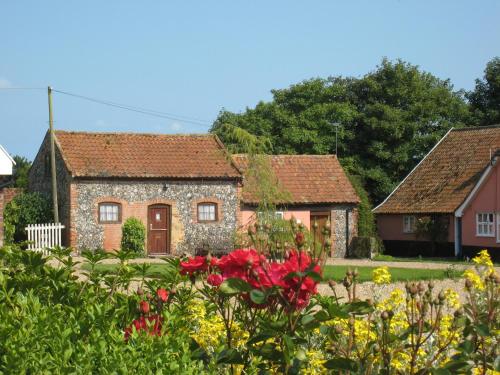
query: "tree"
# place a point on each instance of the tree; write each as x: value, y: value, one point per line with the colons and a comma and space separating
x: 389, y: 119
x: 21, y: 170
x: 25, y: 209
x: 485, y: 99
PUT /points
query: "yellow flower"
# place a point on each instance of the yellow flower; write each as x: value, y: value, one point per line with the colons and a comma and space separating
x: 483, y: 259
x: 452, y: 298
x: 474, y: 278
x: 315, y: 363
x: 381, y: 275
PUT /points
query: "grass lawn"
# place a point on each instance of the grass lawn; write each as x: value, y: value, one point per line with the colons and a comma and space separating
x: 336, y: 272
x: 390, y: 258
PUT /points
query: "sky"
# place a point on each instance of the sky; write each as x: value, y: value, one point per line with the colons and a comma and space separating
x: 193, y: 58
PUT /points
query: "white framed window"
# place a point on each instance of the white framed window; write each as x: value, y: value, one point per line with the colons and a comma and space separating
x: 109, y: 212
x: 207, y: 212
x: 498, y: 227
x: 485, y: 224
x: 409, y: 223
x: 279, y: 215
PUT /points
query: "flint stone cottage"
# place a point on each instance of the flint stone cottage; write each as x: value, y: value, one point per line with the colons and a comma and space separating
x: 457, y: 183
x: 184, y: 188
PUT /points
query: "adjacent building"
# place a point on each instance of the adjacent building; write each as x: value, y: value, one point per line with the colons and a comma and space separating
x: 457, y: 184
x: 317, y: 190
x: 7, y: 193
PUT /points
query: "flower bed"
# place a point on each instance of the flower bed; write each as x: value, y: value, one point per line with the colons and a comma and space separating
x: 250, y: 311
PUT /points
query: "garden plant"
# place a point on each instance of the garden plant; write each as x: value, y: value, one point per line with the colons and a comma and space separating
x: 252, y: 311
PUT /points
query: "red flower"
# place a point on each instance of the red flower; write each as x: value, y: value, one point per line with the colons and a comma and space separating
x: 152, y: 324
x: 162, y: 294
x: 214, y: 279
x: 144, y: 306
x: 242, y: 258
x: 194, y: 265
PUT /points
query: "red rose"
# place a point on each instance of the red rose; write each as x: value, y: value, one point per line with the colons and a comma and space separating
x: 151, y: 324
x: 194, y: 265
x: 144, y: 306
x: 162, y: 294
x: 214, y: 279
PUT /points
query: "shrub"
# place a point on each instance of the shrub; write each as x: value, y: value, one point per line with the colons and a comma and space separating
x: 133, y: 235
x: 24, y: 209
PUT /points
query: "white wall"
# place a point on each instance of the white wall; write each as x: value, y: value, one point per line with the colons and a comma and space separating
x: 6, y: 163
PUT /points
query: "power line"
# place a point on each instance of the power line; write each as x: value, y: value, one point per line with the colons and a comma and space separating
x: 23, y: 88
x: 150, y: 112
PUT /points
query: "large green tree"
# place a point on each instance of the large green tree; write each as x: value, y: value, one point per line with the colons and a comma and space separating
x: 21, y: 170
x: 485, y: 99
x: 388, y: 119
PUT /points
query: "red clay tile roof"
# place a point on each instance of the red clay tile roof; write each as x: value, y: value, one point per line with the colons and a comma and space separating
x: 309, y: 179
x: 144, y: 155
x: 446, y: 176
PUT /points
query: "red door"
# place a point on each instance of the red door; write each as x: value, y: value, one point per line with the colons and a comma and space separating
x: 159, y: 229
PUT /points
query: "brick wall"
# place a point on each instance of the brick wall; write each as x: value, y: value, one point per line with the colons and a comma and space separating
x: 6, y: 195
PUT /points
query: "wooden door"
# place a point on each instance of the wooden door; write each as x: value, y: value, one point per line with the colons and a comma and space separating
x: 320, y: 218
x: 159, y: 229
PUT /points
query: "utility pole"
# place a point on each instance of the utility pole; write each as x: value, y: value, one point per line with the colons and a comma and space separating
x: 336, y: 124
x: 53, y: 159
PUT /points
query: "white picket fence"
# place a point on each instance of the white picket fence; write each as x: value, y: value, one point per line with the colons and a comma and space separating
x: 44, y: 236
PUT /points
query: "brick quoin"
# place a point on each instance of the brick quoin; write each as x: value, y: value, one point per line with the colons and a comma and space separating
x: 6, y: 195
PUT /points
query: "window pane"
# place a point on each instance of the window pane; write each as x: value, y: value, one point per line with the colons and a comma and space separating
x: 109, y: 212
x: 206, y: 212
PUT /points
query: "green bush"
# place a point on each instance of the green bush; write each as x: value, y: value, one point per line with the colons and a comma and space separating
x: 24, y: 209
x: 366, y: 219
x: 133, y: 235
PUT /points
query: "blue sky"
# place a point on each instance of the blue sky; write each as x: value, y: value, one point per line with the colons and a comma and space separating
x: 193, y: 58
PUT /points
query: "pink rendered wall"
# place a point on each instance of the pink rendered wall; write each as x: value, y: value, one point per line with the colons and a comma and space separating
x: 248, y: 217
x: 487, y: 199
x: 390, y: 228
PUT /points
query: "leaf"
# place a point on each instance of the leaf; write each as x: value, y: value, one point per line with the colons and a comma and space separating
x: 234, y: 286
x: 258, y: 296
x: 229, y: 356
x: 341, y: 364
x: 482, y: 330
x: 260, y: 337
x: 336, y: 311
x: 321, y: 316
x: 455, y: 366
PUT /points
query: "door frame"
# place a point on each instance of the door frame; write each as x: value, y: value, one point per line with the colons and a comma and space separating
x: 169, y: 227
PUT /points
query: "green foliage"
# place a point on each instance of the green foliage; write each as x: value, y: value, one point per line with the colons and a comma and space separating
x: 52, y: 324
x: 485, y: 99
x: 390, y: 118
x: 24, y: 209
x: 133, y: 235
x: 366, y: 218
x: 20, y: 173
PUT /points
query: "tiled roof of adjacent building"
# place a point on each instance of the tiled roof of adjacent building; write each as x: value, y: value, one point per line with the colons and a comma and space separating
x: 144, y: 155
x: 446, y: 176
x: 309, y: 179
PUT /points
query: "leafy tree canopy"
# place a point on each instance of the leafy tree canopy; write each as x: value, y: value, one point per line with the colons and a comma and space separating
x: 21, y: 170
x: 388, y: 119
x: 485, y: 99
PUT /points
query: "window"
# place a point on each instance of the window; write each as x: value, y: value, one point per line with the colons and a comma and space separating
x: 110, y: 213
x: 279, y: 215
x: 498, y: 227
x: 263, y: 216
x: 409, y: 224
x: 207, y: 212
x: 485, y: 224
